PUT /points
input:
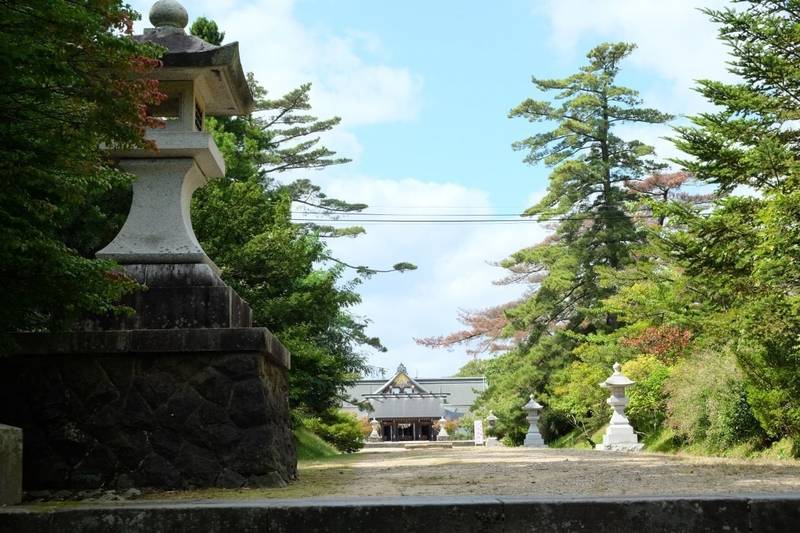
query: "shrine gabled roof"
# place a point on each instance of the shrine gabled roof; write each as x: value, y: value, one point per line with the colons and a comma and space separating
x: 402, y: 380
x: 400, y: 407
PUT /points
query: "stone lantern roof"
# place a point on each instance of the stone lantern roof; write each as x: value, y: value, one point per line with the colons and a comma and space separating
x: 188, y: 57
x: 532, y: 405
x: 617, y: 379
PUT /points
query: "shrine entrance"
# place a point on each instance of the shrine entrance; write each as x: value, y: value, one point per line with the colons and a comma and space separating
x: 405, y: 429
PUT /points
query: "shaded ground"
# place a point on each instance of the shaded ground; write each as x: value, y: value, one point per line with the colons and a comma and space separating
x: 523, y: 472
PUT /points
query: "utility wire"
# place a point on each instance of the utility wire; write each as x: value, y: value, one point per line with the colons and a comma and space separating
x: 467, y: 221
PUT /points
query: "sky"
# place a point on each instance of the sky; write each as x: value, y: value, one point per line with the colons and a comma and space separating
x: 424, y: 90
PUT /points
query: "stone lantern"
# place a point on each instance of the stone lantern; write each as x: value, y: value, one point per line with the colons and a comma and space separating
x: 184, y: 392
x: 491, y: 420
x: 442, y: 435
x: 533, y: 439
x: 374, y: 436
x: 620, y: 435
x: 198, y: 79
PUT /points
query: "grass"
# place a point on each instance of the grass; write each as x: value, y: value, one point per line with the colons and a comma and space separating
x: 666, y: 441
x: 310, y: 447
x: 575, y: 439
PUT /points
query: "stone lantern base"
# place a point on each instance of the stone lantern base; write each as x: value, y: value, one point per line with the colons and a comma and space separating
x: 620, y: 438
x: 150, y: 408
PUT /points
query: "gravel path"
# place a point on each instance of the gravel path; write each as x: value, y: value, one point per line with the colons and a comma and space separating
x: 541, y: 472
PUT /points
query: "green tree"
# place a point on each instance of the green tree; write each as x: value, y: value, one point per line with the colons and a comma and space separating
x: 72, y: 87
x: 587, y: 198
x: 285, y: 270
x: 744, y: 254
x: 586, y: 190
x: 207, y: 30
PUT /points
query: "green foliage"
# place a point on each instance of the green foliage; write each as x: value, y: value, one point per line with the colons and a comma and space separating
x: 244, y: 222
x: 567, y: 353
x: 475, y: 367
x: 284, y: 270
x: 707, y: 401
x: 342, y: 430
x: 744, y: 255
x: 647, y: 400
x: 207, y: 30
x: 70, y: 87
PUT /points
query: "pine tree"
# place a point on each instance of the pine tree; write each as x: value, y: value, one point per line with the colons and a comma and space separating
x: 744, y: 256
x: 587, y: 188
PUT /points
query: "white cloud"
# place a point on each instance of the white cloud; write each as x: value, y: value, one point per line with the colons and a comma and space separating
x: 452, y: 259
x: 348, y: 76
x: 675, y: 40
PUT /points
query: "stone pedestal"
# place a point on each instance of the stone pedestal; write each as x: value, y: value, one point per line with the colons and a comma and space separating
x: 176, y: 296
x: 169, y: 408
x: 10, y: 465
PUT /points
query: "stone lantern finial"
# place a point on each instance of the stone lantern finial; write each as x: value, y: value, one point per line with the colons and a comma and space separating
x: 168, y: 13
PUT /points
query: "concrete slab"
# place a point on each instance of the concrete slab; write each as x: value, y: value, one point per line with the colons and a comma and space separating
x: 760, y: 513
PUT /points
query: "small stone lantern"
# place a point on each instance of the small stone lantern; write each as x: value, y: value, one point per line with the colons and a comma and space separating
x: 491, y: 420
x: 442, y: 435
x: 374, y: 436
x: 620, y: 435
x: 533, y: 439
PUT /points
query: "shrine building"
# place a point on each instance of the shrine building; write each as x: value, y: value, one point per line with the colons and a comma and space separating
x: 407, y: 408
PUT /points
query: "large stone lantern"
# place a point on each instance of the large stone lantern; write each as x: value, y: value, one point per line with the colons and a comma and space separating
x: 533, y: 439
x: 198, y: 79
x: 183, y: 392
x: 157, y: 246
x: 619, y: 434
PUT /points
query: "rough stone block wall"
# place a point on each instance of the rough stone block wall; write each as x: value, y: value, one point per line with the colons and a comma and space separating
x: 10, y: 465
x: 169, y: 420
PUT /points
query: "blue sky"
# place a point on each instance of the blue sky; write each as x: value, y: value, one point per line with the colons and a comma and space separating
x: 424, y: 89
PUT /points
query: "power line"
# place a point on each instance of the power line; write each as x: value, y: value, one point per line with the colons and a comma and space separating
x: 469, y: 221
x: 355, y: 214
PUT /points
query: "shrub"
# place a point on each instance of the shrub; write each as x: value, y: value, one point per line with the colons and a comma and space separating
x: 647, y: 400
x: 341, y: 429
x: 708, y: 401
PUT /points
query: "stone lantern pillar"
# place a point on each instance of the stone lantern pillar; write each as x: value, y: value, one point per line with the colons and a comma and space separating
x: 442, y: 435
x: 620, y: 435
x: 533, y: 439
x: 375, y: 436
x: 183, y: 392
